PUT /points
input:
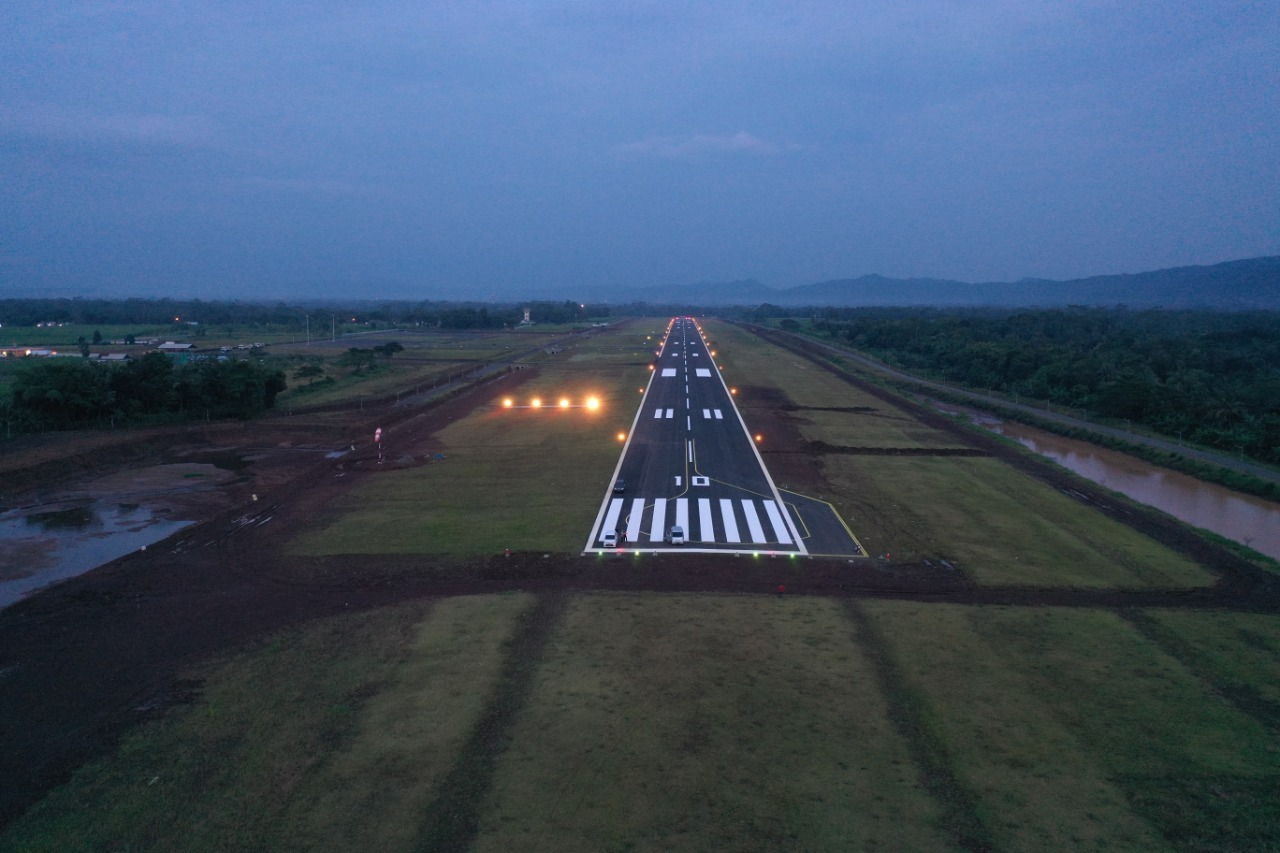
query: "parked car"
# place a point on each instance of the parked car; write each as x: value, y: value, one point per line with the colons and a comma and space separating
x: 619, y: 486
x: 609, y: 539
x: 676, y: 536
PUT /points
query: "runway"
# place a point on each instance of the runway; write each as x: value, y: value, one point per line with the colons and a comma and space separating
x: 690, y: 462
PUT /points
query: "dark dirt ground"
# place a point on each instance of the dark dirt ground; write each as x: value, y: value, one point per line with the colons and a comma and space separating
x: 83, y: 661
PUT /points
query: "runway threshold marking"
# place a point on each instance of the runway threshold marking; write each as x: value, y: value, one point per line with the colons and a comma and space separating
x: 611, y: 517
x: 659, y: 522
x: 634, y: 519
x: 779, y: 526
x: 704, y: 520
x: 753, y: 522
x: 730, y: 523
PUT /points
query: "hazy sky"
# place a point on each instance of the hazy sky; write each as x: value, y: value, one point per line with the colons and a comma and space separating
x: 398, y: 149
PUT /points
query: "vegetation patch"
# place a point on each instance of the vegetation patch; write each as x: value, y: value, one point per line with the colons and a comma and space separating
x: 706, y: 723
x: 998, y: 525
x: 520, y: 478
x: 335, y: 736
x: 1049, y: 715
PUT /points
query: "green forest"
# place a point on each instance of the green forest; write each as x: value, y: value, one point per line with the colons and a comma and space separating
x: 1208, y: 378
x: 67, y: 393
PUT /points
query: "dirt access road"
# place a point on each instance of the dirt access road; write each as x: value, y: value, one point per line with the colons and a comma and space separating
x: 82, y: 662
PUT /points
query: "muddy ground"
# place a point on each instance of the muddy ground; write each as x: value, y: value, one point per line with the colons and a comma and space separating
x: 83, y: 661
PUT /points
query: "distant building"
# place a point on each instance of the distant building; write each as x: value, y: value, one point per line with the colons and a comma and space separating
x: 171, y: 347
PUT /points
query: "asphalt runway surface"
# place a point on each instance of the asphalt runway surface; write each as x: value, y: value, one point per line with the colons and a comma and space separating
x: 691, y: 463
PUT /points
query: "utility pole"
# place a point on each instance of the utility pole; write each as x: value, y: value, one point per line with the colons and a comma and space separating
x: 308, y: 330
x: 333, y: 328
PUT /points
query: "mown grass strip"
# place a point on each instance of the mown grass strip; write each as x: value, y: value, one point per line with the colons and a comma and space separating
x: 706, y: 722
x: 1245, y: 674
x: 1039, y: 760
x: 223, y: 772
x: 910, y: 713
x: 452, y: 819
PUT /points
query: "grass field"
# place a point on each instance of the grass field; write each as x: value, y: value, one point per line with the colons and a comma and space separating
x: 656, y: 721
x: 997, y: 525
x: 349, y: 386
x: 706, y: 723
x: 330, y: 737
x: 521, y: 478
x: 1069, y: 727
x: 647, y: 721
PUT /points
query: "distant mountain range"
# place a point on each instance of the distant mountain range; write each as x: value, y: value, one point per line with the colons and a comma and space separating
x: 1252, y: 284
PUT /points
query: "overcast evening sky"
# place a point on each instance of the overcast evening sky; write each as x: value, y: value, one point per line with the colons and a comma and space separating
x: 423, y: 149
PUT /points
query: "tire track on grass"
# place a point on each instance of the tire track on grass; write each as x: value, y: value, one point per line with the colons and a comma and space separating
x: 907, y: 713
x: 1243, y: 697
x: 453, y: 819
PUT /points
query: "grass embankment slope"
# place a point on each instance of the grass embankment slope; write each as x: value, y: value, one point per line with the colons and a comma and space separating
x: 609, y: 721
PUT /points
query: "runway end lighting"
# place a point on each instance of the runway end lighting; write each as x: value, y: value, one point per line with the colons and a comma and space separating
x: 564, y: 402
x: 593, y: 403
x: 536, y: 402
x: 508, y: 403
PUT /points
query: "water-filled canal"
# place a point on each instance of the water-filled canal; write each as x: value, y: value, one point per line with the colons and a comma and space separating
x: 1252, y: 521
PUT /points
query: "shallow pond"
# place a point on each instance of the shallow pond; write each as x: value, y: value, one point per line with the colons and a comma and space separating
x: 46, y: 544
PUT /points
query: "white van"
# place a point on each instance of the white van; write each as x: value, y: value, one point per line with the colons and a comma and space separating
x: 676, y: 536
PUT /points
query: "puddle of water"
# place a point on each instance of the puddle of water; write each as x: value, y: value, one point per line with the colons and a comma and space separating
x: 44, y: 546
x: 1242, y: 518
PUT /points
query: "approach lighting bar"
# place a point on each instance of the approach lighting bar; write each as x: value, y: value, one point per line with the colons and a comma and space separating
x: 591, y: 403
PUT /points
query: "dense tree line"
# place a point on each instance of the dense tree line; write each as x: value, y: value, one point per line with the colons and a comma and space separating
x: 159, y: 312
x: 449, y: 315
x: 62, y: 393
x: 1211, y: 378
